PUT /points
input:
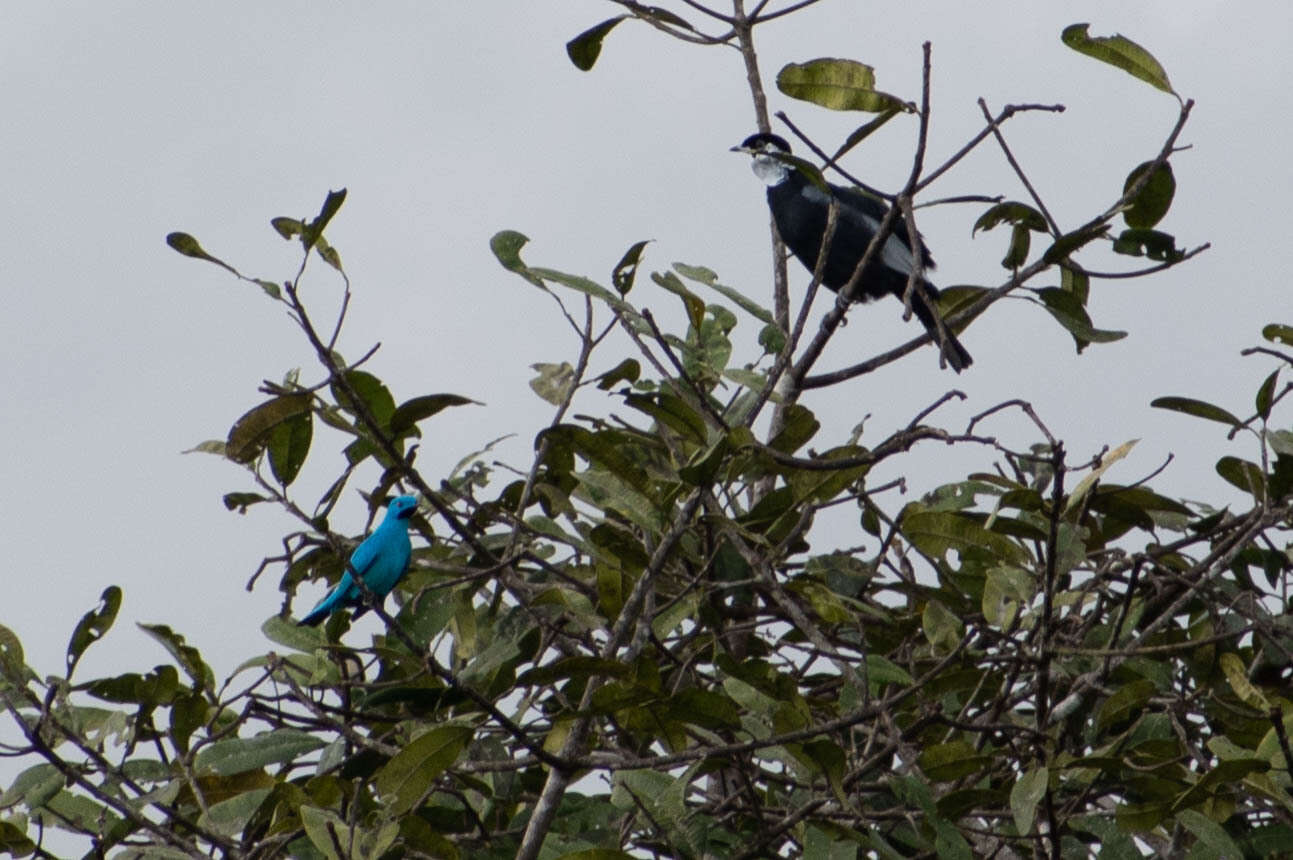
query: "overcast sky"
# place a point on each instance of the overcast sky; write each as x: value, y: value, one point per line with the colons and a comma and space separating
x: 450, y: 121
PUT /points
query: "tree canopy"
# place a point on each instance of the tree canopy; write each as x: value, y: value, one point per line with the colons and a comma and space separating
x: 656, y: 639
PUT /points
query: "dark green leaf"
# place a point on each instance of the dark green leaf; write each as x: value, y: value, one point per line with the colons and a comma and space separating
x: 189, y: 658
x: 1197, y: 408
x: 838, y: 85
x: 1149, y: 206
x: 250, y: 433
x: 1243, y: 474
x: 240, y: 502
x: 1028, y: 792
x: 627, y: 370
x: 153, y: 690
x: 13, y: 666
x: 691, y: 303
x: 671, y: 411
x: 1153, y: 244
x: 1118, y: 50
x: 189, y: 247
x: 372, y: 393
x: 1266, y: 395
x: 287, y: 445
x: 410, y: 412
x: 405, y: 778
x: 1017, y: 253
x: 1124, y: 704
x: 585, y: 48
x: 1011, y: 212
x: 239, y: 755
x: 93, y: 625
x: 1212, y: 839
x: 626, y: 269
x: 799, y: 425
x: 1068, y: 312
x: 936, y: 532
x: 1278, y: 333
x: 1070, y: 242
x: 507, y: 245
x: 313, y: 231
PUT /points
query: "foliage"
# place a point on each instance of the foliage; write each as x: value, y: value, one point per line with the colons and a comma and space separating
x: 654, y: 642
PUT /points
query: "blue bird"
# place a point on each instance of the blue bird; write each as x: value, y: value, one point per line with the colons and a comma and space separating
x: 379, y: 561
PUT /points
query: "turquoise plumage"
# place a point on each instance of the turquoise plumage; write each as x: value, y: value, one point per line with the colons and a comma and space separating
x: 379, y: 561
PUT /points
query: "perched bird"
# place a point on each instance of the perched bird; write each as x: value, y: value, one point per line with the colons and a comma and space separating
x: 800, y: 209
x: 379, y: 561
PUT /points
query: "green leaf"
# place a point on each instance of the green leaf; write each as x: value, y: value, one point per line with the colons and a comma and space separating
x: 709, y: 279
x: 1213, y: 841
x: 837, y: 84
x: 1149, y: 206
x: 409, y: 413
x: 1017, y: 251
x: 240, y: 502
x: 372, y: 393
x: 554, y: 382
x: 1118, y: 50
x: 507, y: 245
x: 1153, y: 244
x: 189, y: 658
x: 1028, y: 791
x: 13, y: 665
x: 328, y: 253
x: 33, y: 787
x: 325, y: 830
x: 1124, y: 704
x: 229, y: 817
x: 1276, y: 333
x: 250, y: 433
x: 240, y: 755
x: 288, y: 228
x: 936, y: 532
x: 691, y: 303
x: 585, y: 48
x: 943, y: 629
x: 626, y: 269
x: 671, y: 411
x: 627, y: 370
x: 156, y: 689
x: 1067, y: 244
x: 92, y: 626
x: 1197, y: 408
x: 1266, y: 395
x: 288, y: 445
x: 1067, y: 310
x: 405, y: 778
x: 189, y: 247
x: 313, y: 232
x: 1243, y: 474
x: 1011, y: 212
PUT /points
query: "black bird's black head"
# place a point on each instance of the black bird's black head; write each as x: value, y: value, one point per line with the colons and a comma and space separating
x: 762, y: 143
x: 770, y: 153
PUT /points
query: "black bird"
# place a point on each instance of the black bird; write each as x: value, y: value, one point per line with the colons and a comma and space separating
x: 799, y: 207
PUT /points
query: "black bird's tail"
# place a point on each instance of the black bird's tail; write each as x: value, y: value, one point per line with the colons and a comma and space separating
x: 927, y: 312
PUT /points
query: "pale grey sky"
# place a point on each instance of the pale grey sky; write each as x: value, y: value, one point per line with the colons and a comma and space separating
x: 450, y: 121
